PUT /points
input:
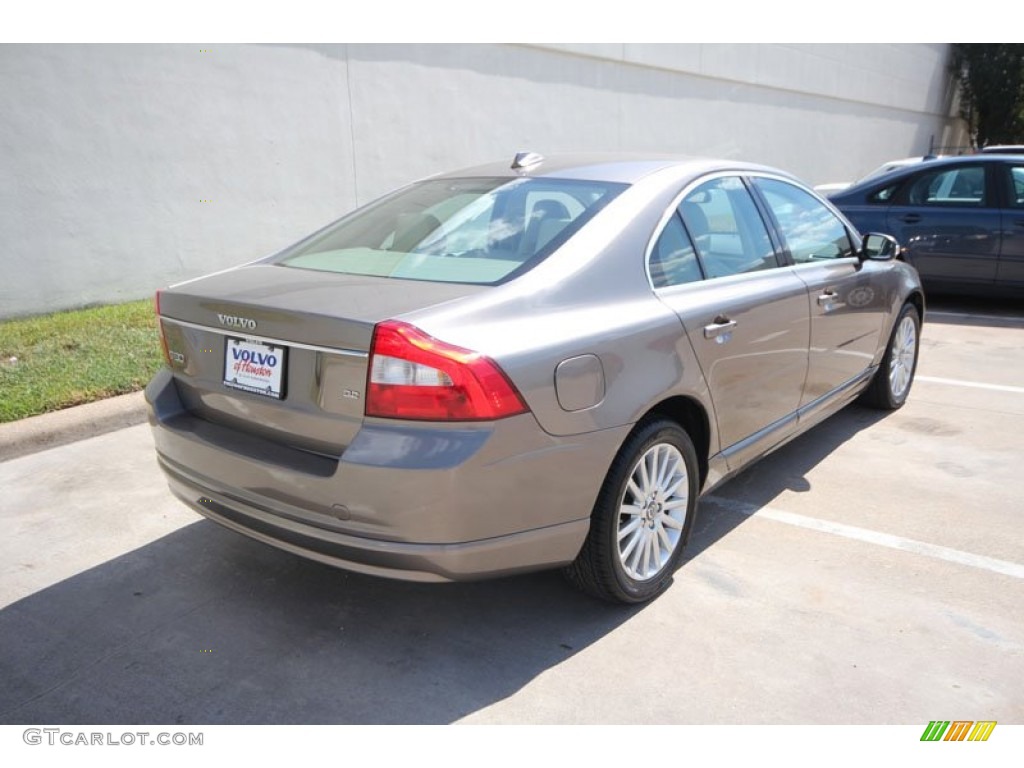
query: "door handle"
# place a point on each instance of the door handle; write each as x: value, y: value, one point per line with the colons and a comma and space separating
x: 827, y: 296
x: 910, y: 218
x: 1019, y: 222
x: 720, y: 325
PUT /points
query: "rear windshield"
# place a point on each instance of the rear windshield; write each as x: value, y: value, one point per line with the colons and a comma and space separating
x: 479, y: 231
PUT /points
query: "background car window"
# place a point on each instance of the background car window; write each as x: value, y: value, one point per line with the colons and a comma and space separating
x: 1017, y: 188
x: 810, y: 229
x: 884, y: 195
x: 954, y: 186
x: 726, y: 228
x: 673, y: 260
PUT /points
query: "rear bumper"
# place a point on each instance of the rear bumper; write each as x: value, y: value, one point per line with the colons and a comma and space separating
x: 416, y: 502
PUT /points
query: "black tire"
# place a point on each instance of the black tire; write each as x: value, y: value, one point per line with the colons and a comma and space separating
x: 659, y: 527
x: 898, y: 365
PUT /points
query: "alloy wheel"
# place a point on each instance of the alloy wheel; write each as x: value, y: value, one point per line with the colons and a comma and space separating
x: 901, y: 360
x: 652, y: 512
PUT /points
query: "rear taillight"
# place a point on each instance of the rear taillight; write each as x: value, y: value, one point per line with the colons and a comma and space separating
x: 160, y: 327
x: 415, y: 376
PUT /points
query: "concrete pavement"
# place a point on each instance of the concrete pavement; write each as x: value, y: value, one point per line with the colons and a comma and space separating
x: 871, y: 571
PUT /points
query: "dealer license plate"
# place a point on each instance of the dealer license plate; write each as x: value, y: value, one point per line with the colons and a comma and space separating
x: 254, y: 366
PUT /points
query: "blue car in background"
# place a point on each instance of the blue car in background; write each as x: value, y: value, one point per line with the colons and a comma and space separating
x: 960, y: 220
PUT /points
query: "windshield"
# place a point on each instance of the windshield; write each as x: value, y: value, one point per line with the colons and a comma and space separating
x: 480, y: 231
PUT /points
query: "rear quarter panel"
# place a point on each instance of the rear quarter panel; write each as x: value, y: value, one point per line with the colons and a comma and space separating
x: 592, y: 297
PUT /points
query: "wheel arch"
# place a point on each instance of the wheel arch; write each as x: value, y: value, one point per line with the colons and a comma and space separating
x: 691, y: 416
x: 916, y: 298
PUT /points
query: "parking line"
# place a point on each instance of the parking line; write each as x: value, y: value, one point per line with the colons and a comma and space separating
x: 957, y: 556
x: 975, y: 384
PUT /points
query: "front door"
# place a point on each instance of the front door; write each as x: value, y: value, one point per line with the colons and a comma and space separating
x: 846, y: 310
x: 950, y: 225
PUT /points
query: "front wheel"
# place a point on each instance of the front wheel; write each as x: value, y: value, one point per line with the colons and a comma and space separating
x: 891, y: 384
x: 642, y: 517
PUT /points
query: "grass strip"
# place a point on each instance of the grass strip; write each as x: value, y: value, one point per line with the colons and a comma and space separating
x: 68, y: 358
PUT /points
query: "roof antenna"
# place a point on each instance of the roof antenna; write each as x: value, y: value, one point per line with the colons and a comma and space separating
x: 524, y: 161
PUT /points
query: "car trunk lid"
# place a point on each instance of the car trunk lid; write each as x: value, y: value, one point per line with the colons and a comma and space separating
x: 282, y: 353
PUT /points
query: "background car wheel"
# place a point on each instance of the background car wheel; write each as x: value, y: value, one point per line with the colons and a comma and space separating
x: 642, y: 517
x: 891, y: 384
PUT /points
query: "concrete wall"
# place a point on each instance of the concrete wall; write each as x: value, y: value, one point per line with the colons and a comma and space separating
x: 129, y: 167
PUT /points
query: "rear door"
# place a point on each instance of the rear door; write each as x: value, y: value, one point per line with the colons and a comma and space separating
x: 1011, y: 256
x: 950, y: 223
x: 744, y: 312
x: 846, y: 309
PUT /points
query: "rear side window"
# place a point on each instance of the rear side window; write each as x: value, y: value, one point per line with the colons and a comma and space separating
x: 1017, y: 187
x: 673, y: 259
x: 884, y: 195
x: 960, y: 186
x: 480, y: 231
x: 811, y: 230
x: 727, y: 231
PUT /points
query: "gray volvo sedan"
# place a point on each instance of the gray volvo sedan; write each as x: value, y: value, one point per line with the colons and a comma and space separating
x: 506, y: 369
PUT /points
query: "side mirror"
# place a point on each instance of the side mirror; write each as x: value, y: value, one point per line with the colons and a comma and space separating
x: 879, y: 247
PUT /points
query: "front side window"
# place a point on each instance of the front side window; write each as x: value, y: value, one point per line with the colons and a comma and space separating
x: 479, y: 231
x: 726, y: 228
x: 811, y: 230
x: 960, y: 186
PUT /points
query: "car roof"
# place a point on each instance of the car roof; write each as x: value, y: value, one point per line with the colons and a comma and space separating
x: 627, y: 168
x: 999, y: 149
x: 877, y: 182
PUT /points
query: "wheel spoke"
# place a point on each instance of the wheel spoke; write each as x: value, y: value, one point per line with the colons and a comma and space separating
x: 909, y: 336
x: 671, y: 522
x: 666, y: 542
x: 670, y: 492
x: 634, y: 489
x: 631, y: 545
x: 677, y: 470
x: 645, y: 480
x: 627, y: 529
x: 638, y: 551
x: 652, y: 470
x: 631, y: 509
x: 656, y: 558
x: 675, y: 503
x: 647, y: 553
x: 674, y: 471
x: 666, y: 463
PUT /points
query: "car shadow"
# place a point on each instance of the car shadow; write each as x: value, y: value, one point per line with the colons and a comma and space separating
x: 206, y: 626
x: 974, y: 311
x: 729, y: 505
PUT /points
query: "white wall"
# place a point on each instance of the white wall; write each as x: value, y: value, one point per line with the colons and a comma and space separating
x: 129, y: 167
